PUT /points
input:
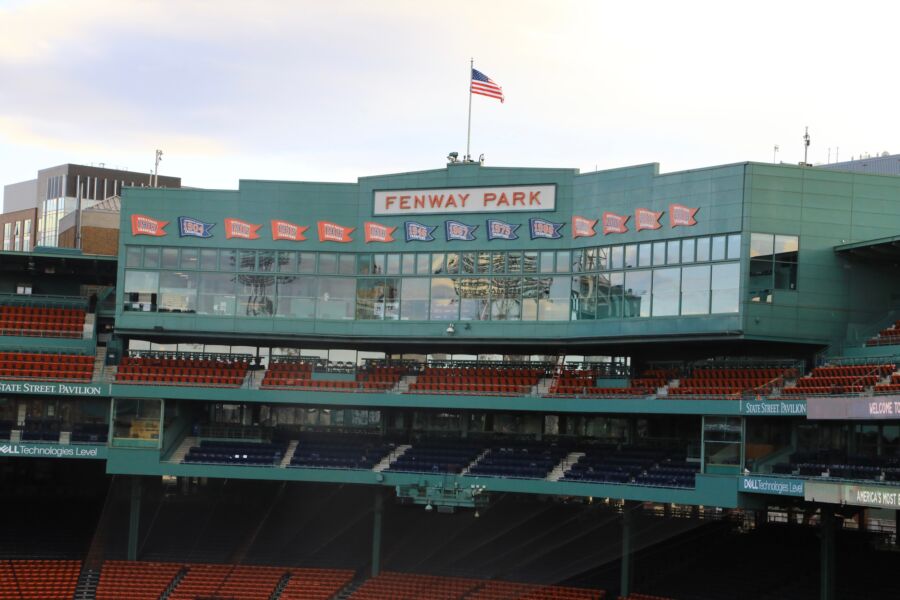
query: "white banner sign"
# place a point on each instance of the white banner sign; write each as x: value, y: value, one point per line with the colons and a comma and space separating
x: 465, y: 200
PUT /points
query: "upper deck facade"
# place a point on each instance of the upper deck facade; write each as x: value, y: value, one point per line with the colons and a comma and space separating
x: 509, y: 256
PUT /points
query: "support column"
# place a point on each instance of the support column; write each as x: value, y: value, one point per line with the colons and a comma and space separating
x: 134, y: 517
x: 376, y: 532
x: 826, y: 567
x: 627, y: 524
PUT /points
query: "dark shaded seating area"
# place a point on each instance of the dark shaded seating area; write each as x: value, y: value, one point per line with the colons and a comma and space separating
x: 90, y: 433
x: 637, y: 466
x: 236, y: 453
x: 533, y: 461
x: 438, y: 456
x: 840, y: 466
x: 41, y: 429
x: 340, y: 451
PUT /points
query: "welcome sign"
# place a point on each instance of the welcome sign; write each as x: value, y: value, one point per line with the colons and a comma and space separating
x: 465, y: 200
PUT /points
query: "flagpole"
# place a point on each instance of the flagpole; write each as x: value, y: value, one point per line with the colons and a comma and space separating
x: 469, y: 130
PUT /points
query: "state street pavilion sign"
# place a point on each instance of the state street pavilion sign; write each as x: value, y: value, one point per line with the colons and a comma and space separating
x: 54, y: 388
x: 513, y: 198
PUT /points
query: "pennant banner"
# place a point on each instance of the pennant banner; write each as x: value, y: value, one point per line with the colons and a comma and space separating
x: 332, y: 232
x: 583, y: 227
x: 283, y: 230
x: 459, y: 231
x: 375, y: 232
x: 544, y: 229
x: 682, y: 215
x: 235, y: 228
x: 144, y: 225
x: 644, y: 218
x: 613, y: 223
x: 188, y: 227
x: 416, y: 232
x: 500, y: 230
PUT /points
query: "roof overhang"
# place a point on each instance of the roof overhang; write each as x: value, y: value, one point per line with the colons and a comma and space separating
x: 886, y: 249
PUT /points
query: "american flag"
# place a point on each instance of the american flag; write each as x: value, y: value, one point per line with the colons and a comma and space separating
x: 482, y: 84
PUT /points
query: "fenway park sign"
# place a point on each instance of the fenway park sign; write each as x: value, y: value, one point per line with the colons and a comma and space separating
x: 465, y: 200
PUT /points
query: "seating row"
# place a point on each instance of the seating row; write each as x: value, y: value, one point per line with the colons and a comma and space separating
x: 38, y: 579
x: 468, y: 388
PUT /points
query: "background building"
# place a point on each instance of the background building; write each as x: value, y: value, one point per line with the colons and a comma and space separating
x: 59, y: 191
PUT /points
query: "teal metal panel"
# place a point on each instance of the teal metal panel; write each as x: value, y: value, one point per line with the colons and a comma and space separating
x: 449, y: 401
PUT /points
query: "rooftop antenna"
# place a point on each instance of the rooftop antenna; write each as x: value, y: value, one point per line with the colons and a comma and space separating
x: 775, y: 154
x: 805, y: 147
x: 156, y: 168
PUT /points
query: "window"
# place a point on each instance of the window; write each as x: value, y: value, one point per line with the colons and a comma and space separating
x: 296, y: 297
x: 444, y: 299
x: 530, y: 262
x: 409, y: 264
x: 170, y: 258
x: 584, y: 297
x: 306, y: 262
x: 287, y: 262
x: 695, y: 290
x: 336, y: 298
x: 414, y: 298
x: 547, y: 262
x: 513, y: 262
x: 189, y: 258
x: 666, y: 285
x: 140, y: 290
x: 256, y: 295
x: 687, y: 251
x: 378, y: 264
x: 659, y: 253
x: 562, y: 261
x: 644, y: 256
x: 209, y: 260
x: 631, y: 256
x: 718, y: 248
x: 787, y: 248
x: 773, y: 265
x: 132, y: 256
x: 725, y: 282
x: 266, y: 261
x: 7, y: 236
x: 327, y: 263
x: 637, y: 293
x: 393, y: 264
x: 702, y: 249
x: 474, y: 295
x: 216, y: 294
x: 506, y: 294
x: 734, y: 247
x: 553, y: 302
x: 616, y: 257
x: 151, y: 258
x: 672, y: 252
x: 177, y: 292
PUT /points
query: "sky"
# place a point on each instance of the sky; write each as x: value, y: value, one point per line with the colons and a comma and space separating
x: 331, y: 91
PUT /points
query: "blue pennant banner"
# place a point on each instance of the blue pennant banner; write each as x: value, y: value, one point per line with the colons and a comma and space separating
x: 459, y: 231
x: 188, y: 227
x: 500, y: 230
x: 544, y: 229
x: 417, y: 232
